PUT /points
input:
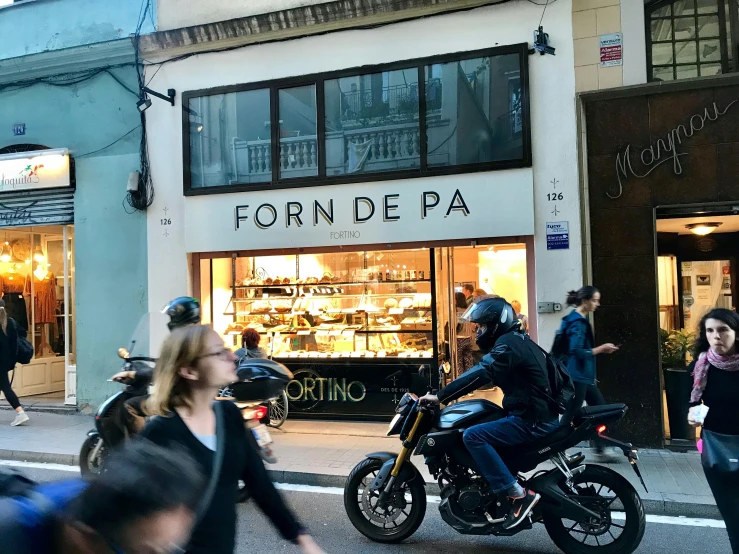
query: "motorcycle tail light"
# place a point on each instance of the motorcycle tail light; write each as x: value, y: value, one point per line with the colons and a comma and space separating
x: 261, y: 412
x: 601, y: 429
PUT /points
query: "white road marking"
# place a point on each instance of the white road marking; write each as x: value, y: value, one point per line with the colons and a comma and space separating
x: 336, y: 491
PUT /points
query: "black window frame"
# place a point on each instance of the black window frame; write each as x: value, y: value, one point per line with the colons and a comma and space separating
x: 318, y: 80
x: 729, y: 60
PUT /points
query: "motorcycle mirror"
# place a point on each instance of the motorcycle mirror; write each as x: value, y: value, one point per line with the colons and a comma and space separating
x: 123, y: 353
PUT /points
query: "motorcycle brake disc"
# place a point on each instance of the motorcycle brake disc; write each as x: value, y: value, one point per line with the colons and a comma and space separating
x: 392, y: 512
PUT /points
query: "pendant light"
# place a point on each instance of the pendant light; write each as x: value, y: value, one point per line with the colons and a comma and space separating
x: 38, y: 255
x: 5, y: 254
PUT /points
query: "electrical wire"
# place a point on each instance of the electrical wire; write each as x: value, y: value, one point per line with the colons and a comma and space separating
x: 116, y: 141
x: 542, y: 13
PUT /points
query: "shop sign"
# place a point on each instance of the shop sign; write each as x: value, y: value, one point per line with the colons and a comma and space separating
x: 611, y: 50
x: 414, y: 210
x: 558, y: 235
x: 665, y: 149
x: 34, y: 170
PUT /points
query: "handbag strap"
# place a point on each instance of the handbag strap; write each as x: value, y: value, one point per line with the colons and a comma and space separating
x: 217, y: 461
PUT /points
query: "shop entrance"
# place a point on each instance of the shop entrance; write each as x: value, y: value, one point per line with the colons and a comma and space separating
x: 696, y: 270
x: 37, y: 285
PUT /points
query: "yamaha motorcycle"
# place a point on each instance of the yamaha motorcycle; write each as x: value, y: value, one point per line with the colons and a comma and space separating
x: 585, y: 508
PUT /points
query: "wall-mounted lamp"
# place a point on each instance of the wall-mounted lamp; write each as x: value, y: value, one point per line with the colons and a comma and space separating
x: 144, y: 103
x: 703, y: 228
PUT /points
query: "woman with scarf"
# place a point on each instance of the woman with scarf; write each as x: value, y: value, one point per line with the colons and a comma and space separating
x: 716, y: 385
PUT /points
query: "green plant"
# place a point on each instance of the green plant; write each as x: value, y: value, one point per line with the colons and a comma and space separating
x: 675, y: 346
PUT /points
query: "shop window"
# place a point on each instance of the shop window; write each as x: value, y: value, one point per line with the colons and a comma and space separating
x: 372, y: 123
x: 691, y: 38
x: 478, y: 118
x: 432, y: 116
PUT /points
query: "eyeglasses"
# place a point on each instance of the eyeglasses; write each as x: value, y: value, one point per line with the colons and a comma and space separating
x: 222, y: 354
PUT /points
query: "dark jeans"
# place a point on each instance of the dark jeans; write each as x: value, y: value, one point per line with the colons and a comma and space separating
x: 10, y: 396
x: 482, y: 439
x: 590, y: 394
x: 725, y: 491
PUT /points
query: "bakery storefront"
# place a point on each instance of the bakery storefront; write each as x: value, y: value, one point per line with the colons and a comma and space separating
x: 663, y: 161
x: 357, y: 282
x: 37, y: 265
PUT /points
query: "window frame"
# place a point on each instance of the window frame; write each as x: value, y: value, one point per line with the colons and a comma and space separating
x: 728, y: 19
x: 318, y: 79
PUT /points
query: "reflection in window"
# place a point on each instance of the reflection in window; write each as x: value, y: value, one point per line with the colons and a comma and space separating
x: 685, y: 39
x: 372, y: 123
x: 298, y: 134
x: 230, y: 139
x: 474, y: 111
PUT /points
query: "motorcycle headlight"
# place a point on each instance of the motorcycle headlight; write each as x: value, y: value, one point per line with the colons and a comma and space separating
x: 393, y: 424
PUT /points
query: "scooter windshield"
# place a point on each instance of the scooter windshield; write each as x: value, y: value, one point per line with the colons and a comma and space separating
x: 148, y: 335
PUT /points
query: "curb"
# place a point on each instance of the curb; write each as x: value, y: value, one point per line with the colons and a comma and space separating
x: 664, y: 506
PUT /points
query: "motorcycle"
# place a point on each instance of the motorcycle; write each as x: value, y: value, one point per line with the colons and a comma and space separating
x: 585, y: 508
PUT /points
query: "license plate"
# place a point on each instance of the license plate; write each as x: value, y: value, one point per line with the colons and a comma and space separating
x: 262, y: 435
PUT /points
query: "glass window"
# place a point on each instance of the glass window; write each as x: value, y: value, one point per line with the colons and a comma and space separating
x: 298, y: 132
x: 230, y: 139
x: 686, y: 34
x: 372, y: 123
x: 474, y: 111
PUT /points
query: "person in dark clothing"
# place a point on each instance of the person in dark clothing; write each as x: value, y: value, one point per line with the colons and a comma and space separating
x: 182, y: 311
x: 8, y: 349
x: 469, y: 293
x: 144, y: 502
x: 193, y: 365
x: 582, y: 350
x: 716, y: 384
x: 518, y: 366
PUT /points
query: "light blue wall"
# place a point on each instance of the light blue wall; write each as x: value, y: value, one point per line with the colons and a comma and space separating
x: 44, y: 25
x: 110, y: 256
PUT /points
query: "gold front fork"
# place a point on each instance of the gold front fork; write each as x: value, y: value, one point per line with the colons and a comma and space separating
x: 406, y: 450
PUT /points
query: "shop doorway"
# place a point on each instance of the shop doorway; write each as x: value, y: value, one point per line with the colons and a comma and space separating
x: 696, y: 272
x: 37, y: 285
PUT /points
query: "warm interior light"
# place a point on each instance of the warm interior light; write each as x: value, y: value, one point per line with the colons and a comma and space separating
x: 38, y: 255
x: 5, y: 255
x: 703, y: 228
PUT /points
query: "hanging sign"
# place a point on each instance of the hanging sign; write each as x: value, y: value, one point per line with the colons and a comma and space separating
x: 41, y: 169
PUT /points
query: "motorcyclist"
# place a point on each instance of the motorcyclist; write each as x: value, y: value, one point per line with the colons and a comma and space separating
x: 518, y: 366
x: 181, y: 311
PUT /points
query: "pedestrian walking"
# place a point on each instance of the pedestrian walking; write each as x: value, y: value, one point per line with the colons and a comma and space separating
x: 8, y: 351
x: 716, y: 387
x: 144, y: 501
x: 581, y: 349
x: 193, y: 365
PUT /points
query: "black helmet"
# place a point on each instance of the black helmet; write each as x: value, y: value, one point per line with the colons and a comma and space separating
x: 494, y: 317
x: 182, y: 311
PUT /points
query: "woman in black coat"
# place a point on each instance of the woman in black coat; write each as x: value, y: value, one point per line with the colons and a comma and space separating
x: 8, y: 350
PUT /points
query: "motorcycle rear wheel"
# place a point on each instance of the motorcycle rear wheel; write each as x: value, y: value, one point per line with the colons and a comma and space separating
x: 605, y: 491
x: 90, y: 467
x: 360, y: 505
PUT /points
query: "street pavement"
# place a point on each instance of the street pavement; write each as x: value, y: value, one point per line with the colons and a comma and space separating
x: 323, y: 514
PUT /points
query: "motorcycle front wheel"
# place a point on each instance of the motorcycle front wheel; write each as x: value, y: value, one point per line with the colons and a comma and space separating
x: 394, y: 523
x: 91, y: 463
x: 622, y: 522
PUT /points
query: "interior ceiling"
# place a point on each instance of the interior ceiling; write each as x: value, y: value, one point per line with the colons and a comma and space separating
x: 729, y: 224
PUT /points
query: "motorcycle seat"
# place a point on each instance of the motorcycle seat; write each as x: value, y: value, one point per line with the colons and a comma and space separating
x: 560, y: 434
x: 607, y: 411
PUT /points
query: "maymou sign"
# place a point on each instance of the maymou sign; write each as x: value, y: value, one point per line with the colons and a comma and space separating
x: 34, y: 170
x: 441, y: 208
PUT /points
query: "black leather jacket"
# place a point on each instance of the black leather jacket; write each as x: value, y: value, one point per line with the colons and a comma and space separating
x: 518, y: 367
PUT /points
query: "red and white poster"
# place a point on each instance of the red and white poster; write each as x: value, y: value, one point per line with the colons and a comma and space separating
x: 611, y: 50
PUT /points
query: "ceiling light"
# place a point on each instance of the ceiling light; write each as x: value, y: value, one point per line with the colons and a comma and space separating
x: 703, y: 228
x: 5, y: 255
x: 38, y: 255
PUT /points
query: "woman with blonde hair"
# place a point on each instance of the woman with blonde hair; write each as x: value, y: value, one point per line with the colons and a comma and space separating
x: 193, y: 365
x: 8, y: 350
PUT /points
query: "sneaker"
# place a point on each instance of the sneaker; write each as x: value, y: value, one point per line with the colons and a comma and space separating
x: 20, y: 419
x: 521, y: 508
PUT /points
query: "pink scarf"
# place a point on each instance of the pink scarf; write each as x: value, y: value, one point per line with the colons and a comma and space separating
x: 700, y: 375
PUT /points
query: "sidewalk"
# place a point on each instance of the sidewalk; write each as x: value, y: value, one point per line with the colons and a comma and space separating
x: 324, y: 453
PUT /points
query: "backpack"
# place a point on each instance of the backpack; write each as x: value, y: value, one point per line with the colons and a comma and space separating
x: 561, y: 391
x: 24, y: 349
x: 560, y: 350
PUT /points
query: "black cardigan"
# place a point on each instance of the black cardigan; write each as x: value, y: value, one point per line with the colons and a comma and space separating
x: 8, y: 346
x: 216, y: 532
x: 721, y: 395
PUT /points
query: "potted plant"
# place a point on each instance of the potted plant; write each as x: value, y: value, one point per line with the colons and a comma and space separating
x: 675, y: 347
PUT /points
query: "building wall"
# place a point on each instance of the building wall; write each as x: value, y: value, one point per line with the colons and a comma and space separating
x: 110, y: 247
x: 174, y: 14
x: 552, y: 81
x: 590, y: 20
x: 46, y: 25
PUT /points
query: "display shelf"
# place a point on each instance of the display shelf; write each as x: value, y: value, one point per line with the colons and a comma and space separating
x: 332, y: 284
